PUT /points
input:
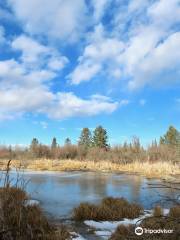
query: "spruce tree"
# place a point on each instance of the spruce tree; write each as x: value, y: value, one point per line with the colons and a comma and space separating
x: 54, y: 143
x: 85, y: 139
x: 34, y: 144
x: 171, y: 137
x: 67, y: 142
x: 100, y: 138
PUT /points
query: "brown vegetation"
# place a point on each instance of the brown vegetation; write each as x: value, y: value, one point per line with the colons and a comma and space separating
x: 94, y: 153
x: 110, y: 209
x: 170, y: 222
x: 20, y: 221
x: 148, y: 169
x: 158, y: 211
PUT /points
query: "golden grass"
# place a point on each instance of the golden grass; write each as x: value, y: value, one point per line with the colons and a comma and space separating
x: 157, y: 169
x: 110, y: 209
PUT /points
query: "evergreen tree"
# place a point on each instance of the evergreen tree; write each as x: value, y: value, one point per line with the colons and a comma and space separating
x: 85, y: 139
x: 67, y: 142
x: 34, y: 144
x: 34, y: 147
x: 54, y: 143
x: 100, y: 137
x: 171, y: 137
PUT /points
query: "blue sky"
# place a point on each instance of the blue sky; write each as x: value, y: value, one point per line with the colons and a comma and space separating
x: 69, y: 64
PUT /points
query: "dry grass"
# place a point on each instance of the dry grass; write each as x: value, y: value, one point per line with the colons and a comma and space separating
x: 157, y: 211
x: 148, y: 169
x: 175, y: 212
x: 171, y: 222
x: 122, y: 233
x: 110, y: 209
x: 21, y: 222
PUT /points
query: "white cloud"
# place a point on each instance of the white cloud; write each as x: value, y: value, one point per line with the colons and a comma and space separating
x: 139, y: 46
x: 57, y: 19
x: 141, y: 49
x: 84, y: 72
x: 96, y: 57
x: 164, y: 58
x: 24, y: 91
x: 69, y: 105
x: 57, y: 63
x: 165, y: 13
x: 99, y: 8
x: 31, y: 49
x: 36, y: 55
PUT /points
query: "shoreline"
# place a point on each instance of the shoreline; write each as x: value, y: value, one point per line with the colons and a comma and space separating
x: 161, y: 170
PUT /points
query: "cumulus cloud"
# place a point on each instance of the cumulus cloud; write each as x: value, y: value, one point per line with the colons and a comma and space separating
x: 99, y: 8
x: 35, y: 54
x: 55, y: 105
x: 69, y: 105
x: 24, y: 89
x: 138, y: 45
x: 139, y: 49
x: 96, y: 56
x: 57, y: 19
x: 164, y: 58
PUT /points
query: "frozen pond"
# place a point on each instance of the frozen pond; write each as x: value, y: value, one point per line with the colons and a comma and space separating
x: 59, y: 193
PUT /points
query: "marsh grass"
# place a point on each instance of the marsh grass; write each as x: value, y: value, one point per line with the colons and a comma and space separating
x: 148, y: 169
x: 158, y: 211
x: 175, y: 212
x: 122, y: 233
x: 20, y: 221
x: 157, y: 221
x: 110, y: 209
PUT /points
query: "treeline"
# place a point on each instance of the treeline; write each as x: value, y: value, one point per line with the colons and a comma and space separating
x: 94, y: 146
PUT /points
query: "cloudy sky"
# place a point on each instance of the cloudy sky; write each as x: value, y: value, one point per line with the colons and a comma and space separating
x: 68, y: 64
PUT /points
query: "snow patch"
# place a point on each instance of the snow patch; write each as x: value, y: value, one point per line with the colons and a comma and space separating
x: 31, y: 202
x: 76, y: 236
x: 106, y: 228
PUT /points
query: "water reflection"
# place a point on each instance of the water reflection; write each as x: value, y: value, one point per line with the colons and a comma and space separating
x: 59, y: 193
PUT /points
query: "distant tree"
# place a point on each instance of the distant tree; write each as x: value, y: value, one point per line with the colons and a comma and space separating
x: 100, y: 138
x: 54, y: 143
x: 136, y: 144
x: 34, y: 143
x: 85, y: 139
x: 67, y: 142
x: 34, y: 147
x: 171, y: 137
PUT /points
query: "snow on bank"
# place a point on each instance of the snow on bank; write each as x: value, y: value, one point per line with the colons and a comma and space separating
x: 106, y: 228
x: 76, y: 236
x: 31, y: 202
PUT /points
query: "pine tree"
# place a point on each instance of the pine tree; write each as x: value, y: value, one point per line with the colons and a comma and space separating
x: 34, y: 146
x: 67, y: 142
x: 34, y: 143
x: 85, y: 139
x: 171, y: 137
x: 100, y: 137
x: 54, y: 143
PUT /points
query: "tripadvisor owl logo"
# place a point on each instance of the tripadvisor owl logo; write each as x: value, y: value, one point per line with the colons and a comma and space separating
x: 139, y: 231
